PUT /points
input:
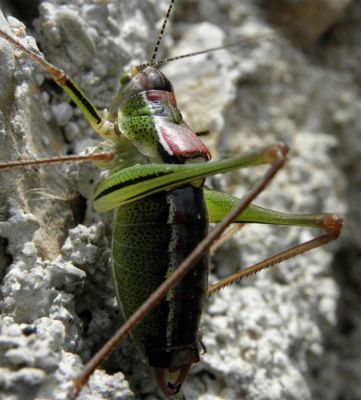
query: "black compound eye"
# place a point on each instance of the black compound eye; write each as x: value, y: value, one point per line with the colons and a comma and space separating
x: 158, y: 81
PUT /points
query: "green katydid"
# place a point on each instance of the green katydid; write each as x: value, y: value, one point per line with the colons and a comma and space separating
x: 133, y: 184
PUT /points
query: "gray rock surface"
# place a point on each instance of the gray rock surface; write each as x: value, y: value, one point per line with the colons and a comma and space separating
x: 288, y: 333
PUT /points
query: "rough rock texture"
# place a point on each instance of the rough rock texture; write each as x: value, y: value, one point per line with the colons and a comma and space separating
x: 290, y: 332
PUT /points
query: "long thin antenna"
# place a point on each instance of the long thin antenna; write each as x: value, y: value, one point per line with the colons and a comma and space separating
x: 241, y: 42
x: 160, y: 36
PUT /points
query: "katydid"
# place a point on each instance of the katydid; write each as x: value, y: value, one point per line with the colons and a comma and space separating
x: 165, y: 188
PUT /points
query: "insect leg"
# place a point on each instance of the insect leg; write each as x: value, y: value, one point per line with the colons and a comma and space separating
x: 134, y: 183
x: 219, y: 204
x: 103, y: 127
x: 332, y: 226
x: 104, y: 156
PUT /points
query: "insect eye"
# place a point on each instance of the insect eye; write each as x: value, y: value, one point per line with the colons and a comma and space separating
x: 125, y: 78
x: 157, y: 80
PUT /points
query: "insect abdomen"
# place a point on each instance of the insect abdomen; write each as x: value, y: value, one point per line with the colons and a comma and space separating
x: 151, y: 238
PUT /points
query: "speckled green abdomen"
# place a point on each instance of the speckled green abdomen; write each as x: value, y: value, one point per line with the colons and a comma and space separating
x: 151, y: 238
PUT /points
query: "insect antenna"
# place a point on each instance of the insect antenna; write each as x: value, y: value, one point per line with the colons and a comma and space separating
x: 281, y: 30
x: 242, y: 42
x: 160, y: 36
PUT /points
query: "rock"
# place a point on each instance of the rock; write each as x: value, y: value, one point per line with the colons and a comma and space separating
x: 272, y: 336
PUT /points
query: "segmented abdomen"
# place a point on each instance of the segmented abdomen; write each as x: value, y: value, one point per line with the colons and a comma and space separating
x: 151, y: 238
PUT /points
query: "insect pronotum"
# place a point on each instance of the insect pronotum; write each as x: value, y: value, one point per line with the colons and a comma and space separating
x: 76, y: 275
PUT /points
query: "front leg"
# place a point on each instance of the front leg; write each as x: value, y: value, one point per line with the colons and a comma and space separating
x: 101, y: 125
